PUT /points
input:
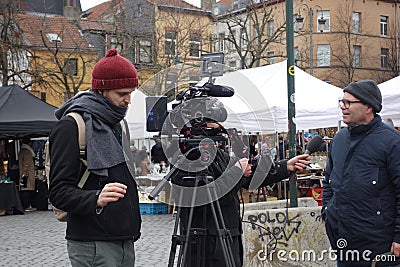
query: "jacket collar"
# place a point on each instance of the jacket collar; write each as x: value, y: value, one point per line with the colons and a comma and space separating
x: 365, y: 128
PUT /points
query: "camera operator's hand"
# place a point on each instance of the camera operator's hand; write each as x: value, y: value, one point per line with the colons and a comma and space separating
x: 298, y: 162
x: 244, y: 165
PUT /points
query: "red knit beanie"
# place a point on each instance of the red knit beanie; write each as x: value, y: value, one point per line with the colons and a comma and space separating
x: 114, y: 72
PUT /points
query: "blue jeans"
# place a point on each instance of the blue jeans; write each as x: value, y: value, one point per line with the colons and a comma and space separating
x: 101, y: 253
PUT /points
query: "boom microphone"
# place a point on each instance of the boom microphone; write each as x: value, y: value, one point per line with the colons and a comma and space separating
x: 219, y: 90
x: 314, y: 145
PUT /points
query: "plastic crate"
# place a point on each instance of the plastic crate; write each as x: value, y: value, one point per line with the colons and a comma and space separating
x: 153, y: 208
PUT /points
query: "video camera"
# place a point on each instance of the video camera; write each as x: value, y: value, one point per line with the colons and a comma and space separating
x: 195, y: 108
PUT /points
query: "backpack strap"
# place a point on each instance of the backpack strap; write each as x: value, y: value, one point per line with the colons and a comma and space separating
x: 82, y: 144
x: 85, y: 175
x: 81, y: 131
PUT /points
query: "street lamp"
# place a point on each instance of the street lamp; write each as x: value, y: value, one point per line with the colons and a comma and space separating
x: 300, y: 25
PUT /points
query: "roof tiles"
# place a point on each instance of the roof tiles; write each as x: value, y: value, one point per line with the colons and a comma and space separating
x: 37, y: 27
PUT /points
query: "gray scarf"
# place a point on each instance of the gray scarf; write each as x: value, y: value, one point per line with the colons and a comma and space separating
x: 100, y: 116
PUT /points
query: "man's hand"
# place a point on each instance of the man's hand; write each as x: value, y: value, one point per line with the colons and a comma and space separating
x: 111, y: 193
x: 244, y: 165
x: 298, y: 162
x: 395, y: 249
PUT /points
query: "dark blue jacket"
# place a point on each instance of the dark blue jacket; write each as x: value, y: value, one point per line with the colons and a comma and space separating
x: 361, y: 197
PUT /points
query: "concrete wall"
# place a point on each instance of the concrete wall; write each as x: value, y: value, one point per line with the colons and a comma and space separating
x: 277, y: 236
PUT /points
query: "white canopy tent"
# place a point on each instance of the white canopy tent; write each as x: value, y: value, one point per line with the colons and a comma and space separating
x: 260, y: 100
x: 136, y: 116
x: 390, y: 100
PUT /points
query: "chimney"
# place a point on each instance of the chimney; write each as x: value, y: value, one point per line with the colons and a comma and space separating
x: 207, y: 5
x: 72, y: 9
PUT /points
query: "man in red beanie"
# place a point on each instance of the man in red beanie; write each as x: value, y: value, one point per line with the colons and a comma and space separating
x: 103, y: 216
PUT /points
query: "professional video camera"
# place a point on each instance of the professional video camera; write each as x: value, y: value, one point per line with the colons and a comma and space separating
x: 195, y: 108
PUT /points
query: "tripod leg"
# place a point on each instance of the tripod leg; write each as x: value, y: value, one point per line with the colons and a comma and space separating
x: 228, y: 237
x: 187, y: 237
x: 175, y: 237
x: 224, y: 236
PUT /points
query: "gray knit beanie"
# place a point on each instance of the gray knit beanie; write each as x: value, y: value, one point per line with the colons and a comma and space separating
x: 368, y: 93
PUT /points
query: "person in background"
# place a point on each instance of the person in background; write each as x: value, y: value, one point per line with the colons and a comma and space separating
x: 282, y: 146
x: 144, y: 159
x: 2, y: 157
x: 157, y: 153
x: 135, y: 157
x: 103, y: 216
x: 389, y: 122
x: 361, y: 196
x: 12, y: 163
x: 26, y: 164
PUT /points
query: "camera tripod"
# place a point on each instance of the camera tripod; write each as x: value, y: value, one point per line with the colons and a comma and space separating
x: 193, y: 241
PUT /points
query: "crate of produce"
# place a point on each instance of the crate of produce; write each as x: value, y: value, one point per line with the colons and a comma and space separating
x: 153, y: 208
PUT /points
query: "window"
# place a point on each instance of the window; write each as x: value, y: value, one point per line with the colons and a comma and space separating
x: 144, y: 51
x: 384, y: 25
x: 232, y: 64
x: 356, y: 22
x: 323, y: 55
x: 221, y: 42
x: 53, y: 38
x: 271, y: 28
x: 357, y: 56
x: 232, y: 38
x: 138, y: 11
x: 384, y: 58
x: 194, y: 45
x: 170, y: 43
x: 326, y: 15
x: 115, y: 43
x: 243, y: 37
x: 71, y: 66
x: 270, y: 56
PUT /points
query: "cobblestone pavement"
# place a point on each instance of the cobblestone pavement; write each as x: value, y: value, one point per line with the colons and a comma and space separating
x: 37, y: 239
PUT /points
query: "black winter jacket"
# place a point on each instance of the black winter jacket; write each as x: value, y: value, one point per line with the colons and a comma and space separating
x: 229, y: 203
x: 118, y: 220
x: 361, y: 196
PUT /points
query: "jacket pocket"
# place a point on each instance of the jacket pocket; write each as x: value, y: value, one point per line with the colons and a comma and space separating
x: 364, y: 184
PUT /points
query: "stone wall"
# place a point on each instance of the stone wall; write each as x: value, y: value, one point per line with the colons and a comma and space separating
x: 277, y: 236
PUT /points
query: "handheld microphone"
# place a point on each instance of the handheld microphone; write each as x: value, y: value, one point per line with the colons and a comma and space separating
x: 314, y: 145
x: 219, y: 90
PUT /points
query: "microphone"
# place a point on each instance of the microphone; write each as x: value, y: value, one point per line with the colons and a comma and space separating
x: 314, y: 145
x: 219, y: 90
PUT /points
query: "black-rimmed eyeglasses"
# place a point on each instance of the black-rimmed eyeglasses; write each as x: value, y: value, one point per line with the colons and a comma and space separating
x: 346, y: 103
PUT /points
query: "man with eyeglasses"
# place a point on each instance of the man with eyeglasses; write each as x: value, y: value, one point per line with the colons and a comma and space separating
x: 361, y: 196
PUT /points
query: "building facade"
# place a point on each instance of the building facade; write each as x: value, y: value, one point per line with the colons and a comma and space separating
x: 338, y: 41
x: 47, y: 53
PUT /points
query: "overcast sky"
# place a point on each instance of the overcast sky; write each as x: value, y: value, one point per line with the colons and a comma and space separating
x: 86, y: 4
